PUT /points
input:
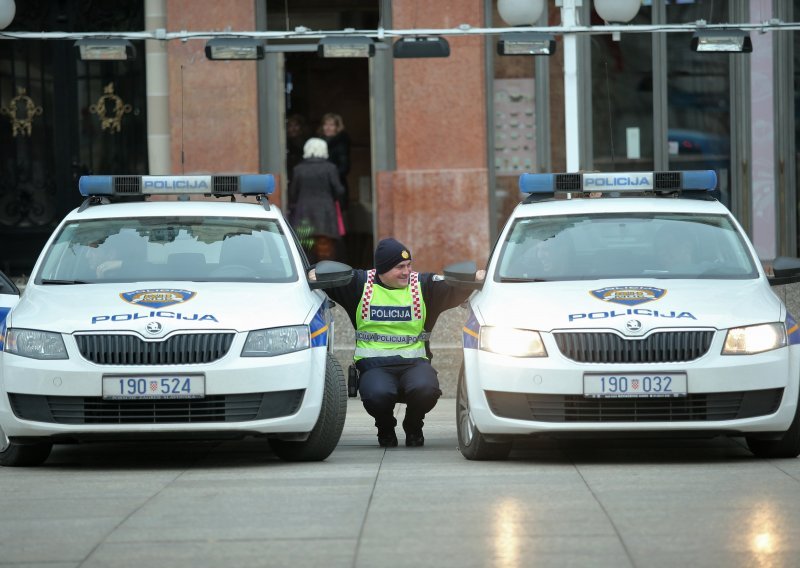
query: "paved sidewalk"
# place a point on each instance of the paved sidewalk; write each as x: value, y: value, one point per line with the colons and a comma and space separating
x: 234, y: 504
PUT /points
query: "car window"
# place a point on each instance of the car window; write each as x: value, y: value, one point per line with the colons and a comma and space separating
x: 169, y: 248
x: 7, y: 286
x: 577, y: 247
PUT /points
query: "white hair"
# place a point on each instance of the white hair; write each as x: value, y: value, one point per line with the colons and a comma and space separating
x: 315, y: 148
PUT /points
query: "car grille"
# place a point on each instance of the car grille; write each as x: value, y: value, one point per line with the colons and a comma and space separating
x: 182, y: 349
x: 691, y: 408
x: 95, y: 410
x: 661, y: 347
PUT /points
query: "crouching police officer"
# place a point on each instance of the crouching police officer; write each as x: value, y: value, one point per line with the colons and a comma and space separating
x: 393, y: 311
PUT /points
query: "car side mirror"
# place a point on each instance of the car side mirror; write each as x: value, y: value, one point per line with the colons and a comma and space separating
x: 331, y: 274
x: 462, y: 275
x: 785, y: 270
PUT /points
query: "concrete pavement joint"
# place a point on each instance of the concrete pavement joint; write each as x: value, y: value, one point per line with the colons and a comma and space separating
x: 605, y: 512
x: 366, y: 511
x: 140, y: 507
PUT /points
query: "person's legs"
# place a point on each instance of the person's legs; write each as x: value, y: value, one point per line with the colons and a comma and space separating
x: 378, y: 388
x: 420, y: 385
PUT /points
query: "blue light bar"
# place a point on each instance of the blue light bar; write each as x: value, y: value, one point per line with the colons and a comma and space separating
x: 247, y: 184
x: 257, y: 184
x: 618, y: 182
x: 96, y: 185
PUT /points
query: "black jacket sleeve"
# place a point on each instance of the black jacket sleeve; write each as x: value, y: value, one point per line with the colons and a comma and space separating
x: 439, y: 297
x: 349, y: 295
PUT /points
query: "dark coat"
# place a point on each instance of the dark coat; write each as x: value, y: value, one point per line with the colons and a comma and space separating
x: 339, y: 154
x: 314, y: 187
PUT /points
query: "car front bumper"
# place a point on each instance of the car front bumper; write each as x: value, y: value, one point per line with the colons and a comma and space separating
x: 726, y: 394
x: 257, y: 395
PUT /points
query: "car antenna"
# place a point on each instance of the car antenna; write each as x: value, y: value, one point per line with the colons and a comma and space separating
x: 610, y: 123
x: 183, y: 164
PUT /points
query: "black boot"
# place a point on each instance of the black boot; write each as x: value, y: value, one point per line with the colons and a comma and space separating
x: 387, y: 438
x: 414, y: 437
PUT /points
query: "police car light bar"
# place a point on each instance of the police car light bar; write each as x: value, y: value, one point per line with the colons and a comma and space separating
x: 621, y: 182
x: 246, y: 184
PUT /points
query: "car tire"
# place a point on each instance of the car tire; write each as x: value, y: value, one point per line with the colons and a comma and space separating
x: 25, y: 454
x: 471, y: 443
x: 788, y: 446
x: 326, y: 433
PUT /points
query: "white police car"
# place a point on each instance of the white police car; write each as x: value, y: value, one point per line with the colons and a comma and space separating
x: 640, y: 310
x: 170, y: 320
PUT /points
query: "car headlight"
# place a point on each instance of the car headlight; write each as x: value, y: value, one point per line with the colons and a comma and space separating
x: 512, y: 342
x: 276, y: 341
x: 35, y: 344
x: 754, y: 339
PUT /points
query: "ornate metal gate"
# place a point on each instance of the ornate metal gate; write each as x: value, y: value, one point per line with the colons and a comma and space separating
x: 61, y: 117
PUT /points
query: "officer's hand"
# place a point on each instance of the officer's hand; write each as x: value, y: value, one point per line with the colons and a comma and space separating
x: 312, y: 274
x: 480, y: 276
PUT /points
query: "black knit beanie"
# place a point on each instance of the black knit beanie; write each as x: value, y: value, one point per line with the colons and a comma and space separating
x: 389, y: 254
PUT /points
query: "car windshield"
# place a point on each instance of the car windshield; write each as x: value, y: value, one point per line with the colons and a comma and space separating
x: 210, y: 249
x: 638, y: 245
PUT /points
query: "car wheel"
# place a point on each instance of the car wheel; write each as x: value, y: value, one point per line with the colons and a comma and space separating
x: 788, y: 446
x: 25, y: 454
x: 471, y: 443
x: 328, y: 429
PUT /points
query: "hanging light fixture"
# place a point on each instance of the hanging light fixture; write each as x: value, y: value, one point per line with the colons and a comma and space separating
x: 220, y: 48
x: 722, y: 41
x: 617, y: 11
x: 93, y: 49
x: 7, y: 10
x: 346, y: 46
x: 526, y: 43
x: 520, y: 12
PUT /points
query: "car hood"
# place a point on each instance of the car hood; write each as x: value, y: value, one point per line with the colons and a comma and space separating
x: 547, y: 306
x: 196, y: 305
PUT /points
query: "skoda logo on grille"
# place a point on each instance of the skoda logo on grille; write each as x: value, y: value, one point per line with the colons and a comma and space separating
x: 153, y: 327
x: 634, y: 326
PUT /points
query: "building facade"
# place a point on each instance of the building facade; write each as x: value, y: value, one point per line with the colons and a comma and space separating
x: 436, y: 145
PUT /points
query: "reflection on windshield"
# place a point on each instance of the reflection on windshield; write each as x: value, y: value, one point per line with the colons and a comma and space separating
x: 590, y: 247
x: 163, y: 249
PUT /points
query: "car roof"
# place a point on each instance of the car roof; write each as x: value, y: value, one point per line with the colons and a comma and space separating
x: 602, y: 205
x: 220, y: 208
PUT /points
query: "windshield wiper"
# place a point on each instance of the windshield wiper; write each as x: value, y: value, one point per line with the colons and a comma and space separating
x: 64, y: 282
x: 520, y: 279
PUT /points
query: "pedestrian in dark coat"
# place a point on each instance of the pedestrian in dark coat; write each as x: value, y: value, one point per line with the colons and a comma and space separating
x: 332, y: 131
x: 313, y: 190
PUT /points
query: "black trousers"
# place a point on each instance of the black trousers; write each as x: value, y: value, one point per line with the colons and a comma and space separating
x: 414, y: 382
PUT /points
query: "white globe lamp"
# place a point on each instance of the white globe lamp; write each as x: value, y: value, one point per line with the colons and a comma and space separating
x: 520, y: 12
x: 617, y: 11
x: 7, y: 11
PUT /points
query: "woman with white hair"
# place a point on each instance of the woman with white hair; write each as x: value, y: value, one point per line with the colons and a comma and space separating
x: 314, y: 188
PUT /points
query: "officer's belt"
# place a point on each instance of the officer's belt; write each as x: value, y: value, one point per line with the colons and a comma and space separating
x: 404, y: 339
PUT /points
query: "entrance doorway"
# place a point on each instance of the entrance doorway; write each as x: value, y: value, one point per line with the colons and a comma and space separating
x: 315, y: 87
